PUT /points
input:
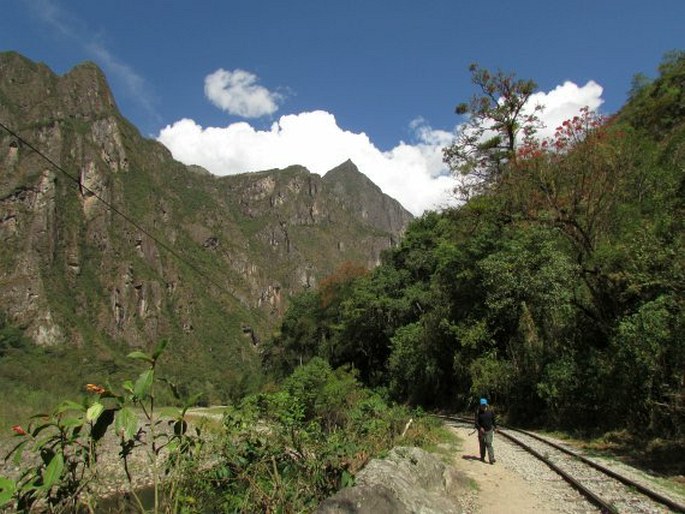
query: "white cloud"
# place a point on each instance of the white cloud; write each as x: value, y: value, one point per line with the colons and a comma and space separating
x: 564, y: 102
x: 413, y: 173
x: 238, y: 93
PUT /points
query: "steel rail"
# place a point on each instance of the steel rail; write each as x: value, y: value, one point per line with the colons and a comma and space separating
x: 590, y: 495
x: 654, y: 495
x: 677, y: 507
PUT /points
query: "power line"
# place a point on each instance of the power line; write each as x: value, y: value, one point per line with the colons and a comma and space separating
x: 126, y: 217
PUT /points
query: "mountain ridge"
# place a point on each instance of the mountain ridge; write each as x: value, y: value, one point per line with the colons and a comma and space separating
x: 73, y: 271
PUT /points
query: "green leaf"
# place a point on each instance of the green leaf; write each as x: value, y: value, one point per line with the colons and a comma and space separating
x: 18, y: 452
x: 190, y: 402
x: 53, y: 471
x: 141, y: 356
x: 144, y: 383
x: 128, y: 386
x: 160, y: 348
x: 7, y: 490
x: 69, y: 405
x: 170, y: 412
x: 72, y: 422
x: 126, y: 422
x: 76, y: 432
x: 110, y: 394
x: 94, y: 412
x: 346, y: 480
x: 40, y: 428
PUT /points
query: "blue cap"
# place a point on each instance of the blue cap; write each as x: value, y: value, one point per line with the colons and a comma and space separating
x: 483, y: 401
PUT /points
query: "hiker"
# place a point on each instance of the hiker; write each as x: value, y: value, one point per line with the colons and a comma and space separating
x: 486, y: 425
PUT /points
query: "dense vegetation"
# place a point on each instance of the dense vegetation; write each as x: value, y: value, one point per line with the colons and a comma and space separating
x: 288, y: 450
x: 556, y: 289
x: 283, y: 450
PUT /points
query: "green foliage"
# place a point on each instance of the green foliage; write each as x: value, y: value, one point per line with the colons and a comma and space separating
x: 647, y: 365
x: 495, y: 112
x: 59, y: 450
x: 532, y: 272
x: 34, y: 379
x: 659, y: 106
x: 406, y: 362
x: 10, y: 337
x: 491, y: 377
x: 557, y: 291
x: 287, y: 450
x: 560, y: 381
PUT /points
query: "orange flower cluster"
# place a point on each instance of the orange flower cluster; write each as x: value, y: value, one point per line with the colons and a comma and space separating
x: 92, y: 388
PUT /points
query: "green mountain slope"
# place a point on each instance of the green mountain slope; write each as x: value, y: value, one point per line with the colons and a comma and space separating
x: 108, y: 243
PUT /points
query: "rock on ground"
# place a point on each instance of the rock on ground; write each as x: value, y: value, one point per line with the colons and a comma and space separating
x: 408, y: 480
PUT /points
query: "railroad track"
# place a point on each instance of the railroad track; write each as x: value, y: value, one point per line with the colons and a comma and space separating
x: 610, y: 491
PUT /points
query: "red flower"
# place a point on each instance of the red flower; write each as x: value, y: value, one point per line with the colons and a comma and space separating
x: 18, y: 430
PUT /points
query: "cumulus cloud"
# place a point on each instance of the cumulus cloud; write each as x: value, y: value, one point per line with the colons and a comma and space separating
x: 238, y: 93
x: 411, y: 172
x: 564, y: 102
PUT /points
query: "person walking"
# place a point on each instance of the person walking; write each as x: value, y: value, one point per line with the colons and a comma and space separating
x: 486, y: 424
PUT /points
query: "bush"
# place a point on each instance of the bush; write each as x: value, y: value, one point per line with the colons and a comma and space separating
x: 288, y: 450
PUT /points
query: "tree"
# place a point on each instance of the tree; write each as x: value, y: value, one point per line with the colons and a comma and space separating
x: 590, y: 181
x: 311, y: 322
x: 301, y: 333
x: 496, y: 118
x: 638, y: 83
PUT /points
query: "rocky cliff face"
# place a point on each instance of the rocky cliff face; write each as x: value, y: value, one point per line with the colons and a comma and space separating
x: 103, y: 236
x: 360, y: 197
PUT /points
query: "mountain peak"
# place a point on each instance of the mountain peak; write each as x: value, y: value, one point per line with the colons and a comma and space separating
x: 32, y: 90
x: 348, y: 174
x: 361, y: 195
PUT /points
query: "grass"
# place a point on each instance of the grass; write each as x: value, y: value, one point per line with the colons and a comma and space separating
x: 447, y: 446
x: 33, y: 379
x: 443, y: 441
x: 207, y: 419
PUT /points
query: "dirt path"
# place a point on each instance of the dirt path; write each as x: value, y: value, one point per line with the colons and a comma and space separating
x: 500, y: 490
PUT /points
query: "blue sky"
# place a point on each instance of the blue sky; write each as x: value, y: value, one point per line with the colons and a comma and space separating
x: 246, y: 85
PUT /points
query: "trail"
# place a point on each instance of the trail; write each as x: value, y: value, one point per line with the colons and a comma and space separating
x: 500, y: 490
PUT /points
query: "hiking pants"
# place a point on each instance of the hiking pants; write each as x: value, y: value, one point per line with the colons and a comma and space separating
x: 485, y: 441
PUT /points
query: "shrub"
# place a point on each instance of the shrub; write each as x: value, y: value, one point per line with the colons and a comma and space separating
x: 286, y: 451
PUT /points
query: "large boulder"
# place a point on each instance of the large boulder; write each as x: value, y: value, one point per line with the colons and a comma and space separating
x: 408, y: 480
